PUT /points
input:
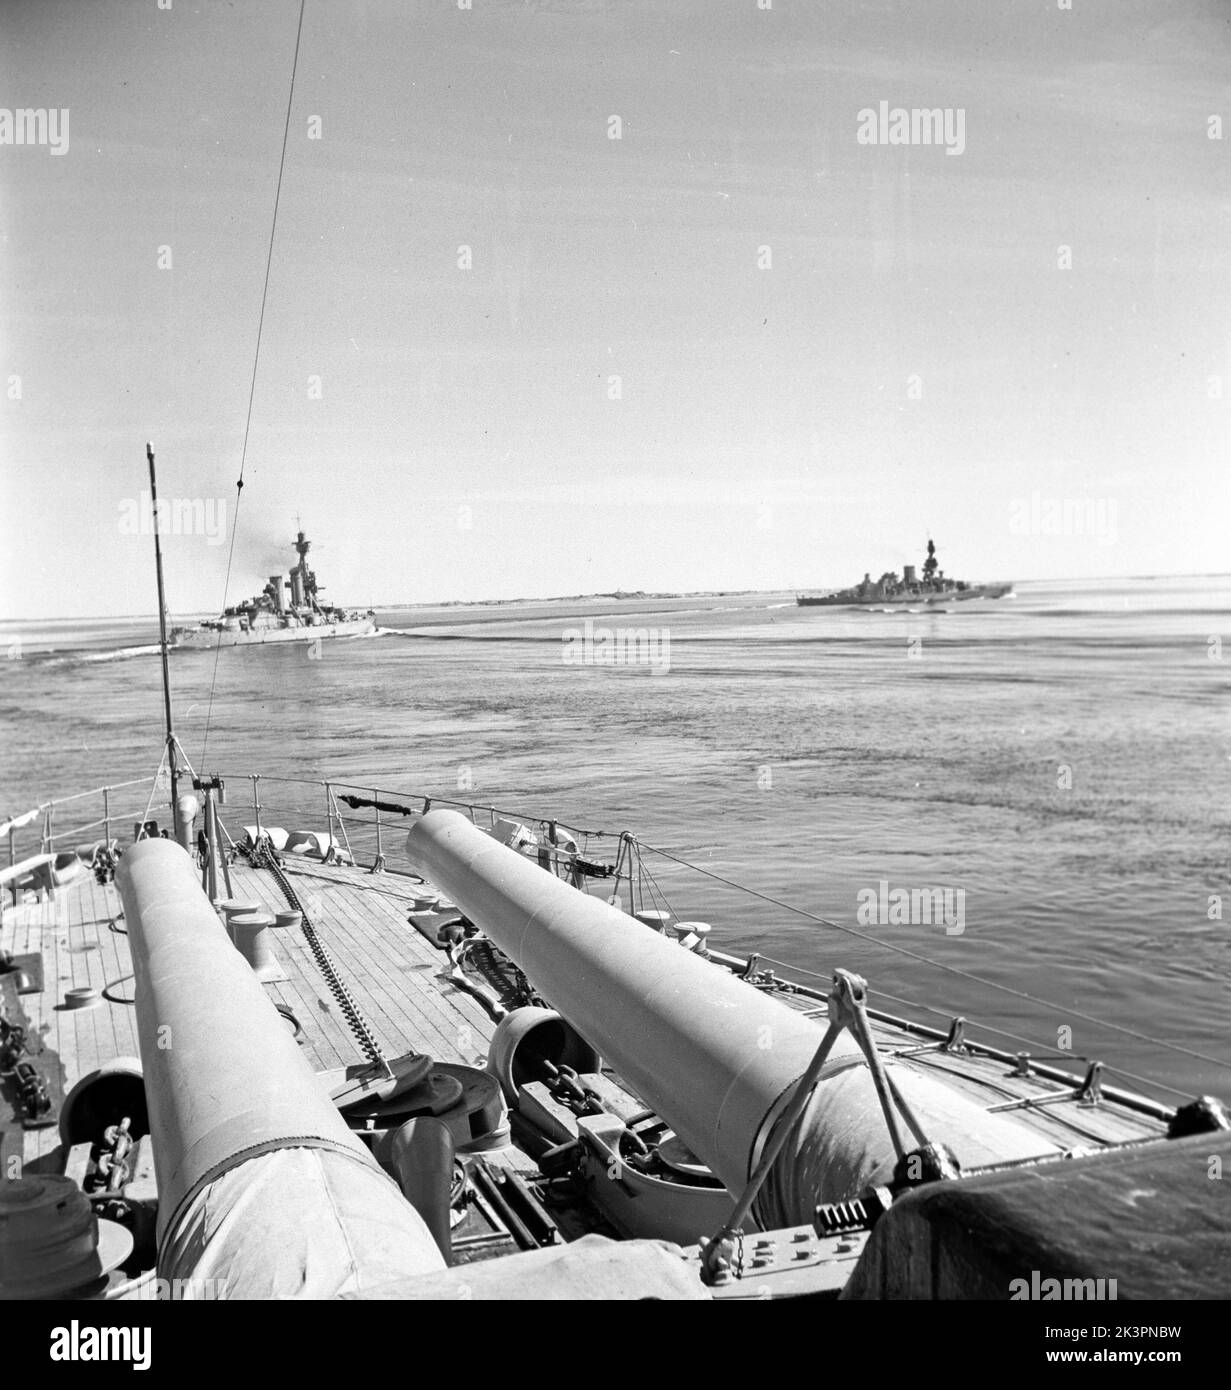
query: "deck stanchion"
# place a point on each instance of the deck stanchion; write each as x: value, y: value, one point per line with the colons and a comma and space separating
x: 107, y: 814
x: 380, y: 852
x: 256, y: 805
x: 337, y: 812
x: 212, y: 832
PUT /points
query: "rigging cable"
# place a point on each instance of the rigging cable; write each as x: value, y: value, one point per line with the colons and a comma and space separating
x: 243, y: 458
x: 983, y: 1026
x: 939, y: 965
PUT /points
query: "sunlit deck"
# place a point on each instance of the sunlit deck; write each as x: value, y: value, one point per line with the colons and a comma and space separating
x: 398, y: 979
x: 402, y: 985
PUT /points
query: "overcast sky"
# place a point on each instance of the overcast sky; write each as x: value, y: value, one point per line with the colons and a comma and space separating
x: 734, y: 348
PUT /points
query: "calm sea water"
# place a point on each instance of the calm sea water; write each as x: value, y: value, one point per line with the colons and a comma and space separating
x: 1062, y: 758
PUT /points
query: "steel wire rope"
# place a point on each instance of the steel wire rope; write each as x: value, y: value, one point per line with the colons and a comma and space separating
x: 256, y: 358
x: 940, y: 965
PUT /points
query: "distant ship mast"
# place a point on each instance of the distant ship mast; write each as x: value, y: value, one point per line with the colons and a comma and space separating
x: 931, y: 563
x: 304, y: 587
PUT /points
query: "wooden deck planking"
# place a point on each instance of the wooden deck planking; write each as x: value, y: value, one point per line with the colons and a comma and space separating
x: 397, y: 966
x: 72, y: 935
x: 395, y: 976
x: 319, y: 1008
x: 398, y: 981
x: 398, y: 971
x: 442, y: 997
x: 327, y: 1041
x: 367, y: 975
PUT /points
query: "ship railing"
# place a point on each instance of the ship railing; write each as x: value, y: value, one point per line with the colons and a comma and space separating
x: 960, y: 1033
x: 372, y: 832
x: 714, y: 896
x: 41, y: 828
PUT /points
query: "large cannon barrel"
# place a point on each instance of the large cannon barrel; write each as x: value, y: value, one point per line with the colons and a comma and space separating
x: 716, y: 1058
x: 262, y: 1189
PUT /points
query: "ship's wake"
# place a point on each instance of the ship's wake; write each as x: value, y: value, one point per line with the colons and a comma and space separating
x: 83, y: 658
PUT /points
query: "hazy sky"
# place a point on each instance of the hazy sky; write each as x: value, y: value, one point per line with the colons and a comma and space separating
x: 909, y: 355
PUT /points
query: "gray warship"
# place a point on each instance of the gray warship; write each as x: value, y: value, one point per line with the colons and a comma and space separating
x: 297, y: 1039
x: 268, y: 1038
x: 270, y: 617
x: 932, y: 586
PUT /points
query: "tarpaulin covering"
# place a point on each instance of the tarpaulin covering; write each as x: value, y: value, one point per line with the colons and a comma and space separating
x: 297, y: 1223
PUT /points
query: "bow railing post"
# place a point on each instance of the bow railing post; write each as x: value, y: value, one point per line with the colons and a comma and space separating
x: 379, y: 865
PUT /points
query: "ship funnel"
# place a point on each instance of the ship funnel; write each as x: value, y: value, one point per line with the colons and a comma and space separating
x: 263, y: 1191
x: 275, y: 591
x: 717, y: 1059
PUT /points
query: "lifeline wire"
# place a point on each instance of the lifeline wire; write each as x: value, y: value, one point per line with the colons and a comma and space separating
x: 243, y: 458
x: 939, y: 965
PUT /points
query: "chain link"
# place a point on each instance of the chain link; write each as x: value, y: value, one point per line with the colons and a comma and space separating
x: 262, y: 857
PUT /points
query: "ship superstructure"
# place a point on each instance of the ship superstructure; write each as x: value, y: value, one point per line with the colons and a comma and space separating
x: 932, y: 586
x: 273, y: 615
x: 482, y: 1056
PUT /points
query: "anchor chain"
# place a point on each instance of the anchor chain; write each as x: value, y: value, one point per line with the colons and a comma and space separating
x: 567, y: 1088
x: 262, y: 857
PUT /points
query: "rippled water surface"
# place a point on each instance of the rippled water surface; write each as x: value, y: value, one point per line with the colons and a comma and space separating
x: 1062, y: 757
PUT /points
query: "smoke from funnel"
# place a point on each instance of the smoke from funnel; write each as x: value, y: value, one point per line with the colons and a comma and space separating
x: 263, y: 550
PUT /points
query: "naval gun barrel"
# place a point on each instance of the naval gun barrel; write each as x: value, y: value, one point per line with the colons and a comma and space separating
x: 716, y: 1058
x: 262, y: 1189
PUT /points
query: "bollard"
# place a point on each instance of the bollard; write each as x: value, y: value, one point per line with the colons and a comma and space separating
x: 656, y: 921
x: 691, y: 935
x: 236, y: 907
x: 251, y: 932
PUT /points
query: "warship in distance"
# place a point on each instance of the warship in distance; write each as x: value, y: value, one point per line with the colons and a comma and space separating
x: 489, y: 1059
x: 934, y: 586
x: 426, y: 1049
x: 268, y: 617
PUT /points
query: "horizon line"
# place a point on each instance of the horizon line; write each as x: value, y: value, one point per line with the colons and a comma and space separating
x: 612, y: 594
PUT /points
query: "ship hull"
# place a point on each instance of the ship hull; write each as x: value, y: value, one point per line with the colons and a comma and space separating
x: 212, y: 637
x: 904, y: 600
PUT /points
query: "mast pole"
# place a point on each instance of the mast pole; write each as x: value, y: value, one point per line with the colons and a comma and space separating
x: 162, y: 628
